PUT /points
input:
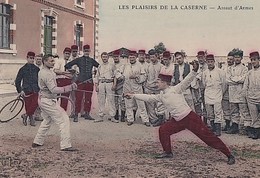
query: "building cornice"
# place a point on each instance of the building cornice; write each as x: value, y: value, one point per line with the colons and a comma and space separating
x: 65, y: 9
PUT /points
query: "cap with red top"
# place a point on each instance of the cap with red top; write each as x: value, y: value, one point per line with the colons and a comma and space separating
x: 254, y: 54
x: 30, y: 53
x: 132, y: 53
x: 210, y: 57
x: 201, y: 53
x: 165, y: 77
x: 166, y: 54
x: 86, y: 47
x: 141, y: 51
x: 74, y: 47
x: 116, y: 53
x: 67, y: 49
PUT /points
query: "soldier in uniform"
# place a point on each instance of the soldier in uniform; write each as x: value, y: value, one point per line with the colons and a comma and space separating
x: 84, y: 81
x: 213, y: 80
x: 119, y: 100
x: 150, y: 87
x: 74, y: 55
x: 182, y: 116
x: 225, y: 100
x: 166, y: 69
x: 63, y: 77
x: 134, y: 77
x: 105, y: 83
x: 252, y: 89
x: 74, y: 52
x: 238, y: 104
x: 198, y: 90
x: 147, y: 58
x: 181, y: 70
x: 26, y: 82
x: 51, y: 110
x: 168, y: 66
x: 38, y: 61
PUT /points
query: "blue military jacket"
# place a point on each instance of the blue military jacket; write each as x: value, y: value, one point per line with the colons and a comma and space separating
x: 27, y: 79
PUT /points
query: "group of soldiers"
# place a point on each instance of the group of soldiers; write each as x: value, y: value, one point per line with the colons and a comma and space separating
x: 217, y: 95
x: 227, y: 98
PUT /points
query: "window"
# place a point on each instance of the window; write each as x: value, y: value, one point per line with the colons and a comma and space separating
x: 5, y: 10
x: 80, y: 4
x: 79, y: 34
x: 48, y: 26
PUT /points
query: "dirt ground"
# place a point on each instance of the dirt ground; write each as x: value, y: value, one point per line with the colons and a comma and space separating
x: 108, y: 149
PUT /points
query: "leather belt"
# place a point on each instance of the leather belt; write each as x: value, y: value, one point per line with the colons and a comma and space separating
x: 106, y: 80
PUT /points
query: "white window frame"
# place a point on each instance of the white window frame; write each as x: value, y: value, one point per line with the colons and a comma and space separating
x: 12, y: 49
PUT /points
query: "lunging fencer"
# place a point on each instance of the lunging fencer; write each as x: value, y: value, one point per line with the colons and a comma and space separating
x: 181, y: 115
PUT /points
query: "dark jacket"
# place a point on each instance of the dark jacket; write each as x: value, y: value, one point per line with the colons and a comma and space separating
x: 85, y: 65
x: 176, y: 73
x: 27, y: 79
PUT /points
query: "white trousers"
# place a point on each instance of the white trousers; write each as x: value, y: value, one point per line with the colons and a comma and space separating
x: 105, y: 94
x: 215, y: 112
x: 255, y: 114
x: 51, y: 111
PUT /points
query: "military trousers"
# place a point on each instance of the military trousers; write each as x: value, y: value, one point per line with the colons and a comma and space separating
x: 51, y: 111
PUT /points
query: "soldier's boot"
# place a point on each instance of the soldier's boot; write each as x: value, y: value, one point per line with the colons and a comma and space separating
x: 32, y: 121
x: 162, y: 118
x: 233, y: 129
x: 205, y: 120
x: 227, y: 126
x: 24, y: 117
x: 212, y: 126
x: 75, y: 118
x: 255, y: 133
x: 134, y: 113
x: 250, y: 132
x: 243, y: 130
x: 122, y: 116
x: 231, y: 160
x: 217, y: 129
x: 88, y: 117
x: 117, y: 115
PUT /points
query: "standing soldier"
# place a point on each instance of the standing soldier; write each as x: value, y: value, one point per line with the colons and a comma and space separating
x: 147, y: 59
x: 225, y: 100
x: 144, y: 65
x: 134, y: 77
x: 119, y: 100
x: 63, y: 77
x: 238, y: 104
x: 252, y: 89
x: 141, y: 58
x: 168, y: 66
x: 51, y: 111
x: 74, y: 54
x: 199, y: 90
x: 84, y: 81
x: 38, y: 61
x: 105, y: 83
x: 26, y: 82
x: 150, y: 87
x: 214, y: 81
x: 167, y: 69
x: 181, y: 70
